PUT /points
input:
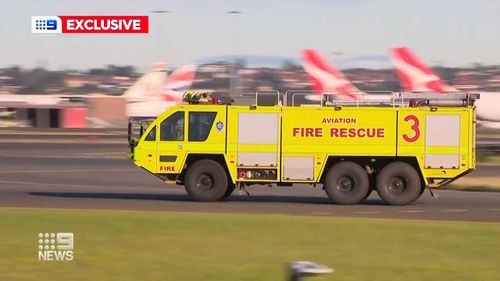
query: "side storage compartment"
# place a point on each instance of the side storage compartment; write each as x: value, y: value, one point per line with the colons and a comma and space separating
x: 254, y: 143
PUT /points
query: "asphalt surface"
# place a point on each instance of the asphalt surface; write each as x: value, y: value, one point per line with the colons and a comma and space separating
x: 91, y: 173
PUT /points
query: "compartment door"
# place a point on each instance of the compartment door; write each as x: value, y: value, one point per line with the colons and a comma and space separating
x: 256, y: 146
x: 442, y: 141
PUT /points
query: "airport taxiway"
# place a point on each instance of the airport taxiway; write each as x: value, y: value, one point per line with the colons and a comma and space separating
x: 93, y: 173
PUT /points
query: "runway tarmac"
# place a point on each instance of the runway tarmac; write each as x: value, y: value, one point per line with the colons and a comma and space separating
x: 97, y: 175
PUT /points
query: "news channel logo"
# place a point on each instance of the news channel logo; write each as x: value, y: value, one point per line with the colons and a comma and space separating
x: 55, y: 246
x: 46, y: 24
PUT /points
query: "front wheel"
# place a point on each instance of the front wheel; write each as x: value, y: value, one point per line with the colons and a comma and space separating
x: 206, y: 180
x: 229, y: 190
x: 399, y: 184
x: 347, y: 183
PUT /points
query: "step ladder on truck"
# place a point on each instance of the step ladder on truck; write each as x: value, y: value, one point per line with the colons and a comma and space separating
x: 396, y: 146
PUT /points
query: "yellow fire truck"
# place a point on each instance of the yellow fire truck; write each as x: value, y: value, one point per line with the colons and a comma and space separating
x: 397, y: 146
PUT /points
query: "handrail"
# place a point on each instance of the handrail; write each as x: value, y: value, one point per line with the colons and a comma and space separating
x: 278, y: 94
x: 379, y: 98
x: 331, y: 97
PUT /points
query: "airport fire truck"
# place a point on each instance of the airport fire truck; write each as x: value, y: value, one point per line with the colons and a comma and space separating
x: 396, y: 146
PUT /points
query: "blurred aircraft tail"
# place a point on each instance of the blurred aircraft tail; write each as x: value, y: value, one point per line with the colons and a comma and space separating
x: 326, y: 78
x: 150, y: 85
x: 415, y: 75
x: 153, y: 93
x: 178, y: 82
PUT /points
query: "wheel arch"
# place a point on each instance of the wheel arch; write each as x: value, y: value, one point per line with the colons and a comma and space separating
x: 195, y: 157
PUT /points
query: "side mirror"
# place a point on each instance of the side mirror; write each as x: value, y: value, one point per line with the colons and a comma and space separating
x: 141, y: 130
x: 129, y: 130
x: 132, y: 144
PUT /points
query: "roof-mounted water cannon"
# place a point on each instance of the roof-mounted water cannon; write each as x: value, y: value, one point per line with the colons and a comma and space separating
x: 200, y: 96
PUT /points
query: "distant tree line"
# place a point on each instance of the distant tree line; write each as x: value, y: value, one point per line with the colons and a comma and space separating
x: 41, y: 81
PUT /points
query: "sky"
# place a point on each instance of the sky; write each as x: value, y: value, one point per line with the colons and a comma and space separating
x: 446, y: 32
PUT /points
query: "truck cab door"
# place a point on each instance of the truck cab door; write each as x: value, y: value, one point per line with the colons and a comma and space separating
x: 145, y: 151
x: 171, y: 144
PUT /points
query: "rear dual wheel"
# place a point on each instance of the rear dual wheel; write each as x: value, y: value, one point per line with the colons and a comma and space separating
x: 347, y: 183
x: 399, y: 183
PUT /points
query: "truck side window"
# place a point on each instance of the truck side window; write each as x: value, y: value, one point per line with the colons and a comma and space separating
x: 200, y: 124
x: 152, y: 135
x: 172, y: 128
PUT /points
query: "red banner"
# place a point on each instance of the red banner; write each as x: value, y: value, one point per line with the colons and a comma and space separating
x: 105, y: 24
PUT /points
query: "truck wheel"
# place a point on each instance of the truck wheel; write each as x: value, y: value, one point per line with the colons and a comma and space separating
x: 206, y: 180
x: 346, y: 183
x: 370, y: 190
x: 422, y: 190
x: 373, y: 183
x: 398, y: 184
x: 229, y: 190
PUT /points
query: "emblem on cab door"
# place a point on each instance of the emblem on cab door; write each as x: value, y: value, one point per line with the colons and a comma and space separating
x: 219, y: 126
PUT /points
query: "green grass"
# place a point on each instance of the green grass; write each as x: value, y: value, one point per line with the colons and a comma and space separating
x: 126, y: 245
x: 482, y: 188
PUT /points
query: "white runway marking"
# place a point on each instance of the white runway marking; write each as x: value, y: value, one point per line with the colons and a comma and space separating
x: 413, y: 211
x: 69, y: 157
x: 454, y: 210
x: 78, y: 185
x: 367, y: 212
x: 60, y: 141
x: 65, y: 171
x: 51, y: 184
x: 74, y: 133
x: 121, y: 153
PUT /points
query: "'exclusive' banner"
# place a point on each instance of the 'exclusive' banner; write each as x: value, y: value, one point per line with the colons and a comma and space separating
x: 89, y: 24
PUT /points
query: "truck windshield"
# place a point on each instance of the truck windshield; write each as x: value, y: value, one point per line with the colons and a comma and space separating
x: 152, y: 135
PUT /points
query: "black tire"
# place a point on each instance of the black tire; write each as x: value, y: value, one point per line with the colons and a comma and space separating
x: 229, y: 190
x: 373, y: 183
x: 399, y: 184
x: 370, y: 190
x: 422, y: 190
x: 346, y: 183
x: 206, y: 180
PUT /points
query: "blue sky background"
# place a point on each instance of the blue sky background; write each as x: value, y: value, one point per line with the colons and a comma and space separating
x: 352, y: 33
